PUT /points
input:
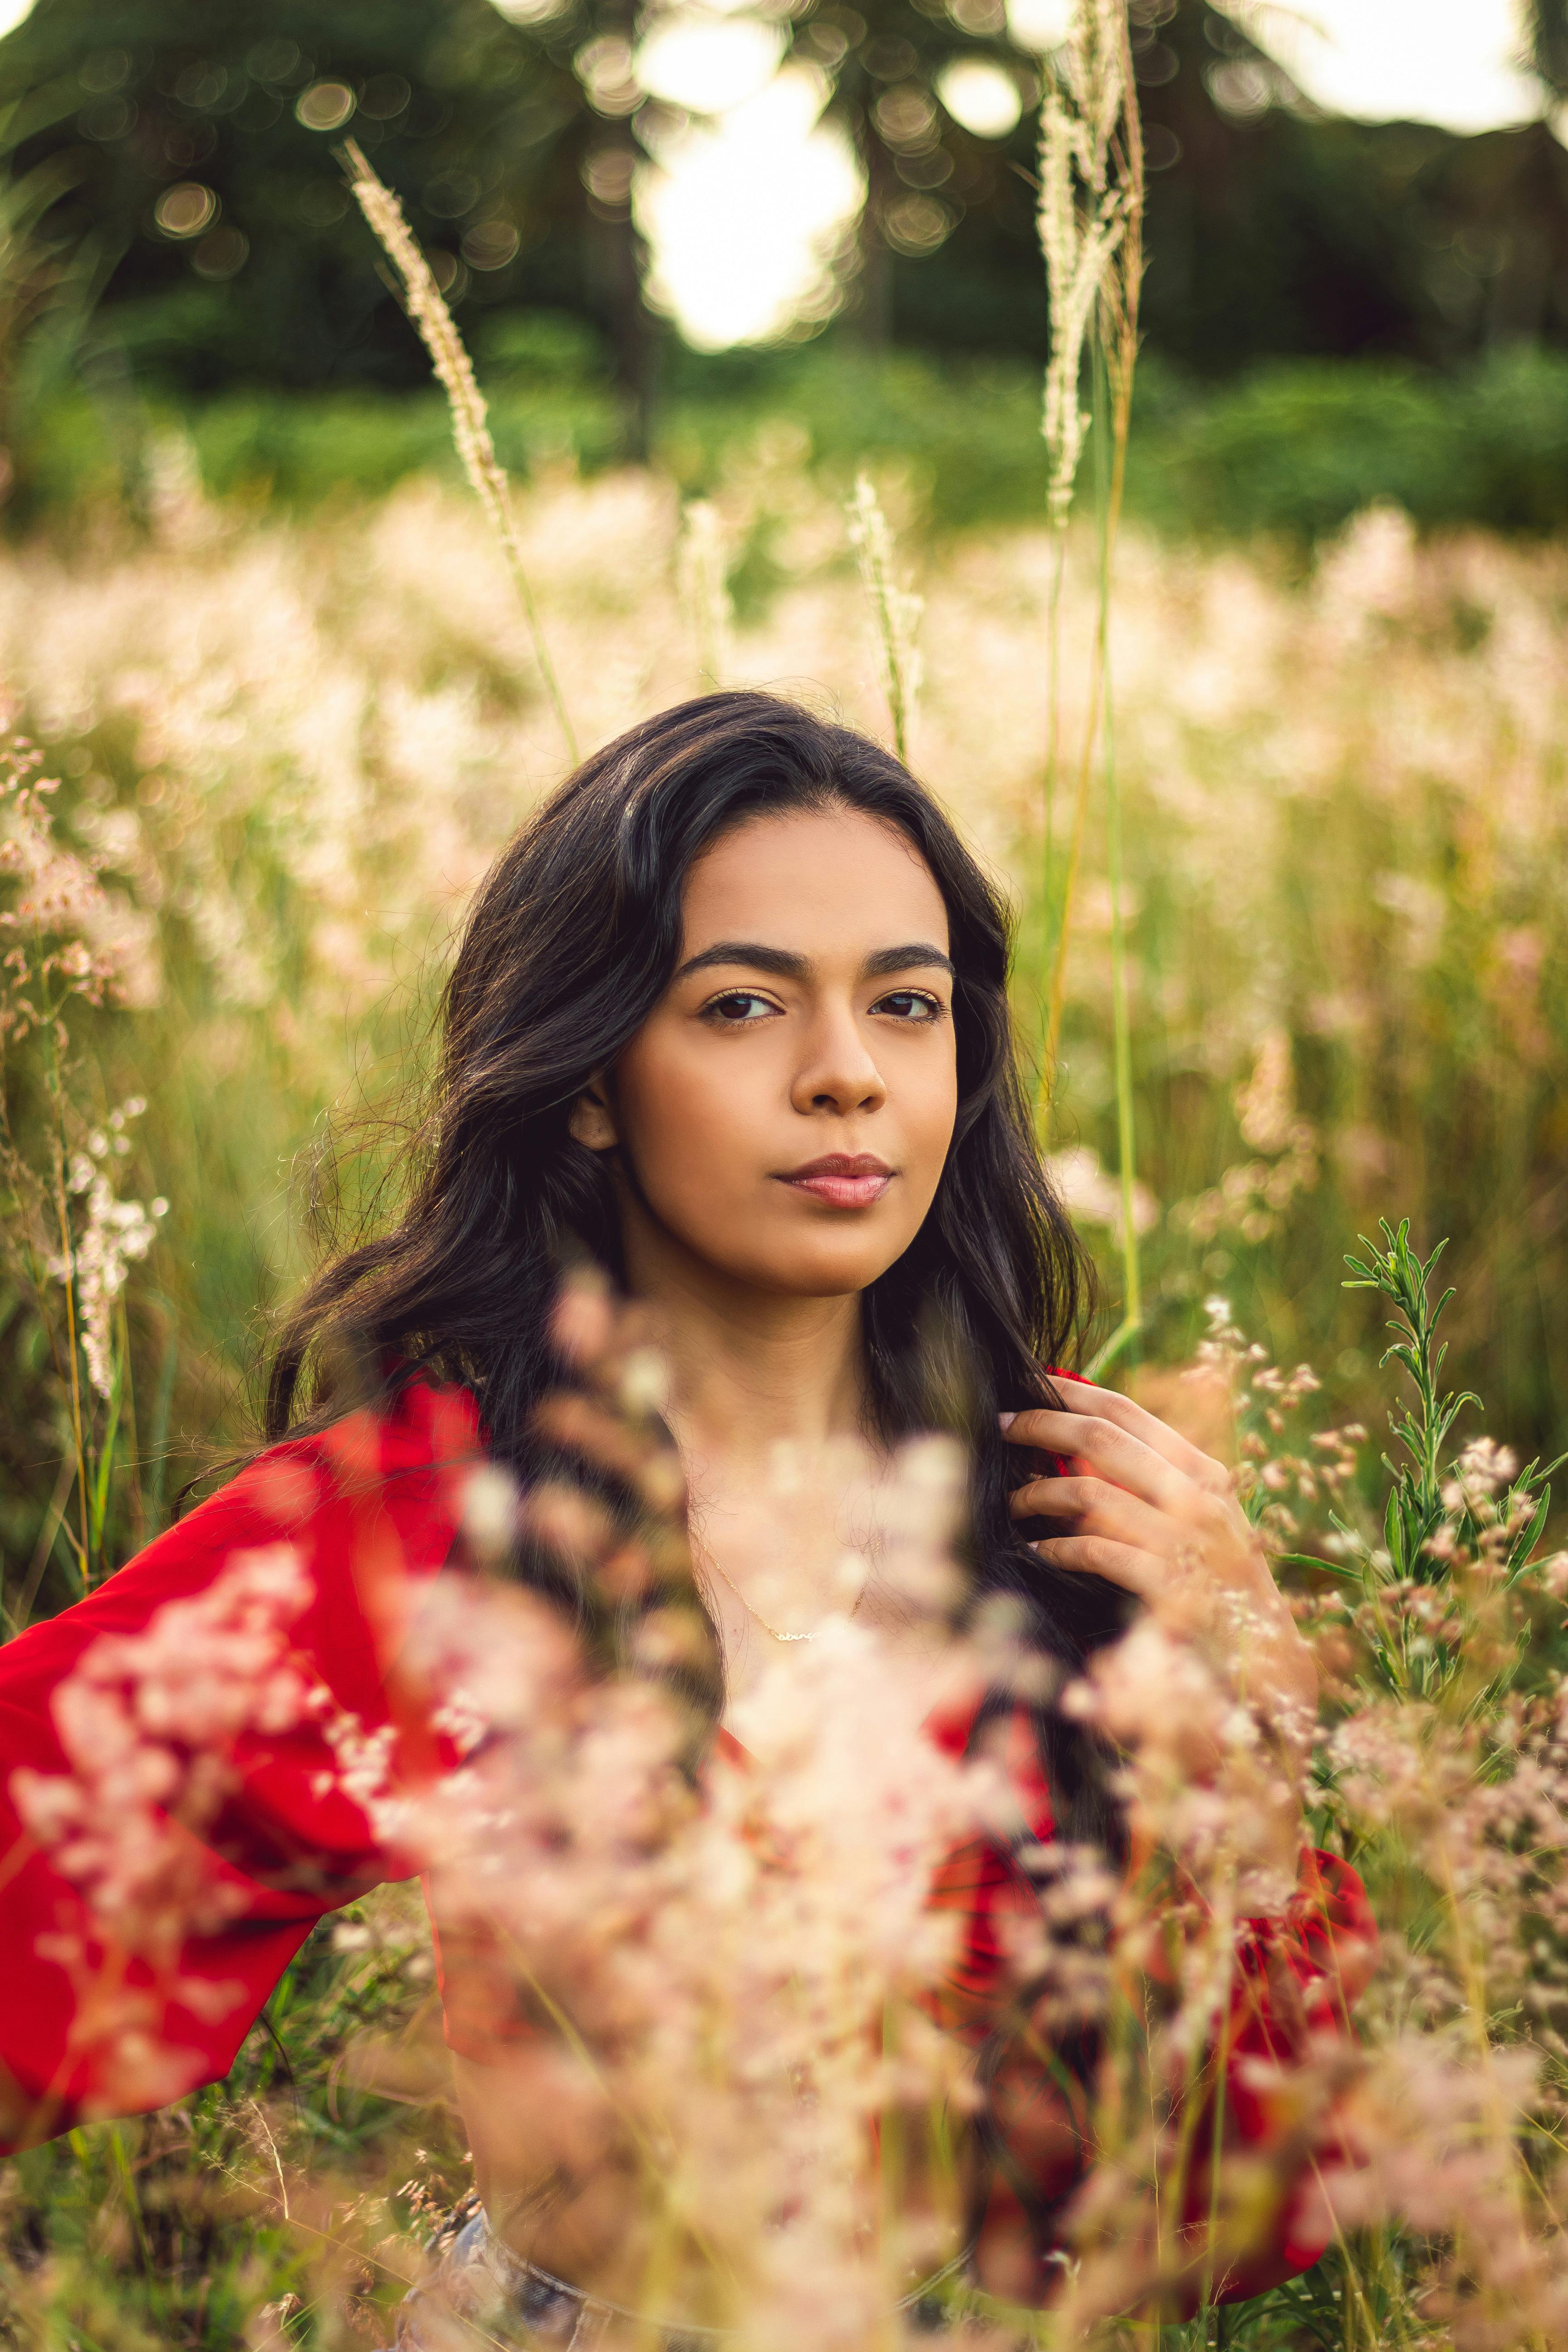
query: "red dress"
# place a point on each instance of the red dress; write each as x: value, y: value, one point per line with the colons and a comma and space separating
x: 370, y: 1509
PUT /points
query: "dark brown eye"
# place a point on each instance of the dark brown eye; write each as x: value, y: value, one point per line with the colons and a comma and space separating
x: 736, y: 1007
x: 909, y: 1004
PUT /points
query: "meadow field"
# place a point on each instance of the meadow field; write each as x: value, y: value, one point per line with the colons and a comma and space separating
x: 286, y: 748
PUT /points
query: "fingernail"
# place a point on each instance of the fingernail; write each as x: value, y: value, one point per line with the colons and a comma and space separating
x: 1007, y: 1419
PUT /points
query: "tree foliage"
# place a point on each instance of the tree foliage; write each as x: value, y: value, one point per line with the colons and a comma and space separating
x: 198, y: 142
x: 191, y: 192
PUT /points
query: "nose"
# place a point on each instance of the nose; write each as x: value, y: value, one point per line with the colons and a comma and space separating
x: 837, y: 1072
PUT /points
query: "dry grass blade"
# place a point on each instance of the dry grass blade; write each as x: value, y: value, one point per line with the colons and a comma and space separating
x: 1090, y: 218
x: 454, y: 369
x: 1117, y: 287
x: 1090, y: 209
x: 1091, y: 228
x: 897, y: 610
x: 703, y: 564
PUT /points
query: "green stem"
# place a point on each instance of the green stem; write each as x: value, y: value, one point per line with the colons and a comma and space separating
x: 73, y: 1341
x: 128, y: 2186
x: 1109, y: 464
x: 1051, y: 914
x: 158, y: 1436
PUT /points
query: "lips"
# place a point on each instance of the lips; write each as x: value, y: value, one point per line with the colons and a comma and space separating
x: 842, y: 1180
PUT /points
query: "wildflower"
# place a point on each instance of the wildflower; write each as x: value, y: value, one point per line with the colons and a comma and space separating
x: 1482, y: 1470
x: 490, y: 1510
x: 147, y: 1722
x: 1093, y: 1197
x: 1369, y: 574
x: 116, y: 1235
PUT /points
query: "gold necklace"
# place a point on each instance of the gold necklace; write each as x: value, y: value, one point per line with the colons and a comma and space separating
x: 703, y: 1552
x: 757, y: 1612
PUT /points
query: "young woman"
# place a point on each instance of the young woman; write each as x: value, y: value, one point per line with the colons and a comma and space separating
x: 730, y: 1020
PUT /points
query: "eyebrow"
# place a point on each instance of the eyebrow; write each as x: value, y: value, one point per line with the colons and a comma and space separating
x: 786, y: 964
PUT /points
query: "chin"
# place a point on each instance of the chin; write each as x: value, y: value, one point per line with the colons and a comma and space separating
x: 826, y: 1274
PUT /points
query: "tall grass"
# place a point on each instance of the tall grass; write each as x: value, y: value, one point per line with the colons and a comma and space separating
x: 288, y: 750
x: 286, y: 753
x: 1090, y: 216
x: 465, y: 402
x: 895, y: 613
x: 289, y: 2205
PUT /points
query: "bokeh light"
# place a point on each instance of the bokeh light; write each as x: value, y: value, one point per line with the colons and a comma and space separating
x: 325, y: 106
x: 981, y: 96
x: 185, y: 209
x: 746, y: 215
x: 707, y: 64
x: 751, y: 197
x: 1039, y: 24
x: 1455, y: 62
x: 604, y: 67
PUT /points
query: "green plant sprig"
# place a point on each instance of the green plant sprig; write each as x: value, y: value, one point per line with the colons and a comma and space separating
x: 1415, y: 1507
x: 1422, y: 1502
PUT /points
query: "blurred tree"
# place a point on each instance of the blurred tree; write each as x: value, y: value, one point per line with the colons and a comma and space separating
x: 1275, y: 230
x: 939, y: 100
x: 186, y: 147
x: 196, y: 142
x: 1546, y: 23
x: 1268, y: 232
x: 196, y: 138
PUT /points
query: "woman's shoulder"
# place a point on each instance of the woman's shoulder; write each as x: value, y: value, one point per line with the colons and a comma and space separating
x: 363, y: 1505
x: 388, y: 1464
x: 420, y: 1428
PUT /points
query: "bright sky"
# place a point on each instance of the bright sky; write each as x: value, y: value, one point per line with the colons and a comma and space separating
x: 744, y: 211
x: 1449, y: 61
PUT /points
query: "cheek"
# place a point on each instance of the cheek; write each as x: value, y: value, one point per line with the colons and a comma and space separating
x: 928, y: 1102
x: 686, y: 1119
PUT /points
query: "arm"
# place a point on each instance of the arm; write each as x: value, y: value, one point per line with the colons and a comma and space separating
x: 1212, y: 1698
x: 186, y: 1760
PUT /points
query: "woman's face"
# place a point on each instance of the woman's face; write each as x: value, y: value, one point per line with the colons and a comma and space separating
x: 783, y: 1115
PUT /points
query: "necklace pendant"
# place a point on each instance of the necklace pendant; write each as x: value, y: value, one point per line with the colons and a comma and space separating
x: 772, y: 1630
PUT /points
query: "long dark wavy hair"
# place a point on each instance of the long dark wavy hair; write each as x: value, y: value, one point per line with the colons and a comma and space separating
x: 570, y: 945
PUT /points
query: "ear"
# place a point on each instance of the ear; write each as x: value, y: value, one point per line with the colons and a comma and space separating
x: 593, y: 1123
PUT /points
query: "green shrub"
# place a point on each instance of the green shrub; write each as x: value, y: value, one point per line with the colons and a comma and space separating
x: 1292, y: 450
x: 1296, y: 449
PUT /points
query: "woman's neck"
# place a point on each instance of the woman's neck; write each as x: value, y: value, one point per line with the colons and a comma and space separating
x: 749, y: 1368
x: 767, y: 1405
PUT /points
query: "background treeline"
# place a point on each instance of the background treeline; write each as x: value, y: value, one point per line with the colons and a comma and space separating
x: 1333, y: 309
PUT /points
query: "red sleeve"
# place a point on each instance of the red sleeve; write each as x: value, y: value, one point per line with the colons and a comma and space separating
x: 190, y: 1762
x: 1296, y: 1978
x: 1293, y: 1981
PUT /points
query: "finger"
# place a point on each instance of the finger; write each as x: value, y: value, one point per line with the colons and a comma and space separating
x: 1110, y: 1404
x: 1096, y: 1507
x: 1110, y: 1453
x: 1216, y: 1545
x: 1083, y: 1398
x: 1123, y: 1564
